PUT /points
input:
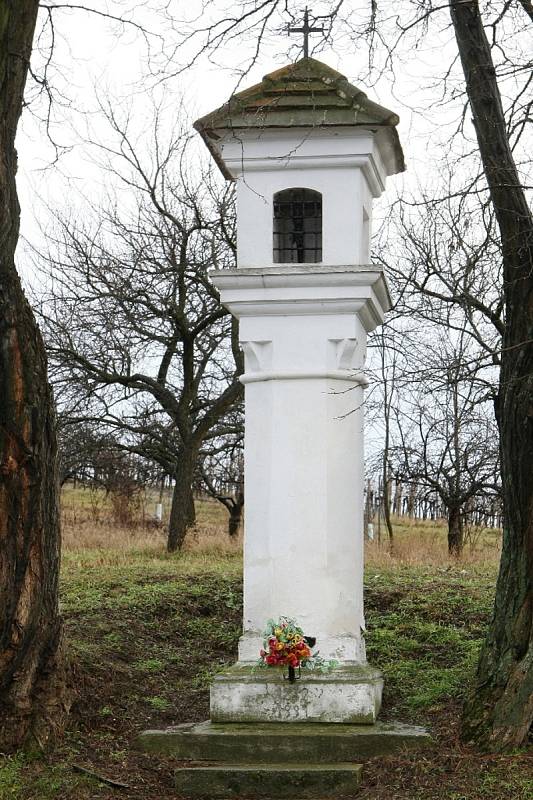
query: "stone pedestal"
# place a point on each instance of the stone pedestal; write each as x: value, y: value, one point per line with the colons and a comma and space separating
x: 308, y: 782
x: 275, y: 743
x: 349, y: 694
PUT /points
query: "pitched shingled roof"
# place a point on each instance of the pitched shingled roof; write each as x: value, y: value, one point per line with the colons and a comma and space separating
x: 301, y: 95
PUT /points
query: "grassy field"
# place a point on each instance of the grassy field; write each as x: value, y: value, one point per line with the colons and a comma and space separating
x: 147, y: 631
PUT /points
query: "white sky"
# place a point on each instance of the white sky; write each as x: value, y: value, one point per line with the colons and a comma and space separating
x: 91, y: 62
x: 94, y: 61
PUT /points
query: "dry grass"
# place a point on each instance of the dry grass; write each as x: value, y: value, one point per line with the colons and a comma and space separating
x: 89, y: 525
x: 424, y: 542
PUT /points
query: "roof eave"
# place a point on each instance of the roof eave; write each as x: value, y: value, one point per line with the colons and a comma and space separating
x: 209, y: 137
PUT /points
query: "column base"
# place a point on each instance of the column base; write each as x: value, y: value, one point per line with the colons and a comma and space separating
x: 348, y: 694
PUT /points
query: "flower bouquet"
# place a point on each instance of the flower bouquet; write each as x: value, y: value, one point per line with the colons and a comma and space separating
x: 285, y: 645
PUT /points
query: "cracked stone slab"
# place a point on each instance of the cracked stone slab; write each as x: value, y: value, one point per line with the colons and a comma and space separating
x: 348, y: 694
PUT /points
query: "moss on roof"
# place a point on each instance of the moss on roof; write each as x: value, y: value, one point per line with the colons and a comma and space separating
x: 305, y: 94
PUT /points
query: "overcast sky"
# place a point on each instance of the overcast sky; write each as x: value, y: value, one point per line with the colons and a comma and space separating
x: 93, y: 61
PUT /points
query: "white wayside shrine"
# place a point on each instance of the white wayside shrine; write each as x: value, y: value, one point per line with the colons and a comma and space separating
x: 308, y: 153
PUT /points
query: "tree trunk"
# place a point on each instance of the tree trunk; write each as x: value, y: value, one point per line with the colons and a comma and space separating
x: 386, y: 508
x: 455, y: 531
x: 499, y: 712
x: 33, y: 695
x: 387, y: 400
x: 398, y: 493
x: 235, y: 515
x: 411, y: 501
x: 182, y: 510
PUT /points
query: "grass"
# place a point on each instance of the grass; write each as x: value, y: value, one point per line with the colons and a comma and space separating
x: 33, y: 778
x: 425, y: 631
x: 89, y: 525
x: 146, y: 632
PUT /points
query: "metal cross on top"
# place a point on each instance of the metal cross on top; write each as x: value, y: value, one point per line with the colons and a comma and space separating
x: 306, y: 29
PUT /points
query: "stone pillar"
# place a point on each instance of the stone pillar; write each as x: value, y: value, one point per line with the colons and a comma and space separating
x: 302, y: 145
x: 303, y: 331
x: 303, y: 132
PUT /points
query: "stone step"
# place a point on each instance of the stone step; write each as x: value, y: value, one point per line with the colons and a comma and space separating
x: 275, y: 742
x: 301, y: 781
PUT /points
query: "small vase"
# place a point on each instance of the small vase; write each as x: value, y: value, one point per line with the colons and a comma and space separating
x: 292, y: 676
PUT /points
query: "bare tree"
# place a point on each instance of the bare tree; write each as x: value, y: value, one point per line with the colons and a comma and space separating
x: 33, y: 696
x: 499, y: 712
x: 97, y: 458
x: 447, y: 440
x: 221, y: 469
x: 443, y: 260
x: 80, y: 450
x: 431, y: 406
x: 388, y: 389
x: 445, y: 273
x: 133, y: 324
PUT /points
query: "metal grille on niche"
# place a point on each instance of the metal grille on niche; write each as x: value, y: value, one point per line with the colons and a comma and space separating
x: 297, y: 227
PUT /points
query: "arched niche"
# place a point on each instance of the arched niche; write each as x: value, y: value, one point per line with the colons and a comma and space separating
x: 297, y: 226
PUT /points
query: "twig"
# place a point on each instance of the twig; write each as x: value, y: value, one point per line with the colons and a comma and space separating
x: 101, y: 778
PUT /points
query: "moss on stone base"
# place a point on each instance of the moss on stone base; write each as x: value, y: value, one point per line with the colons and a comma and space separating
x: 268, y: 743
x: 274, y: 780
